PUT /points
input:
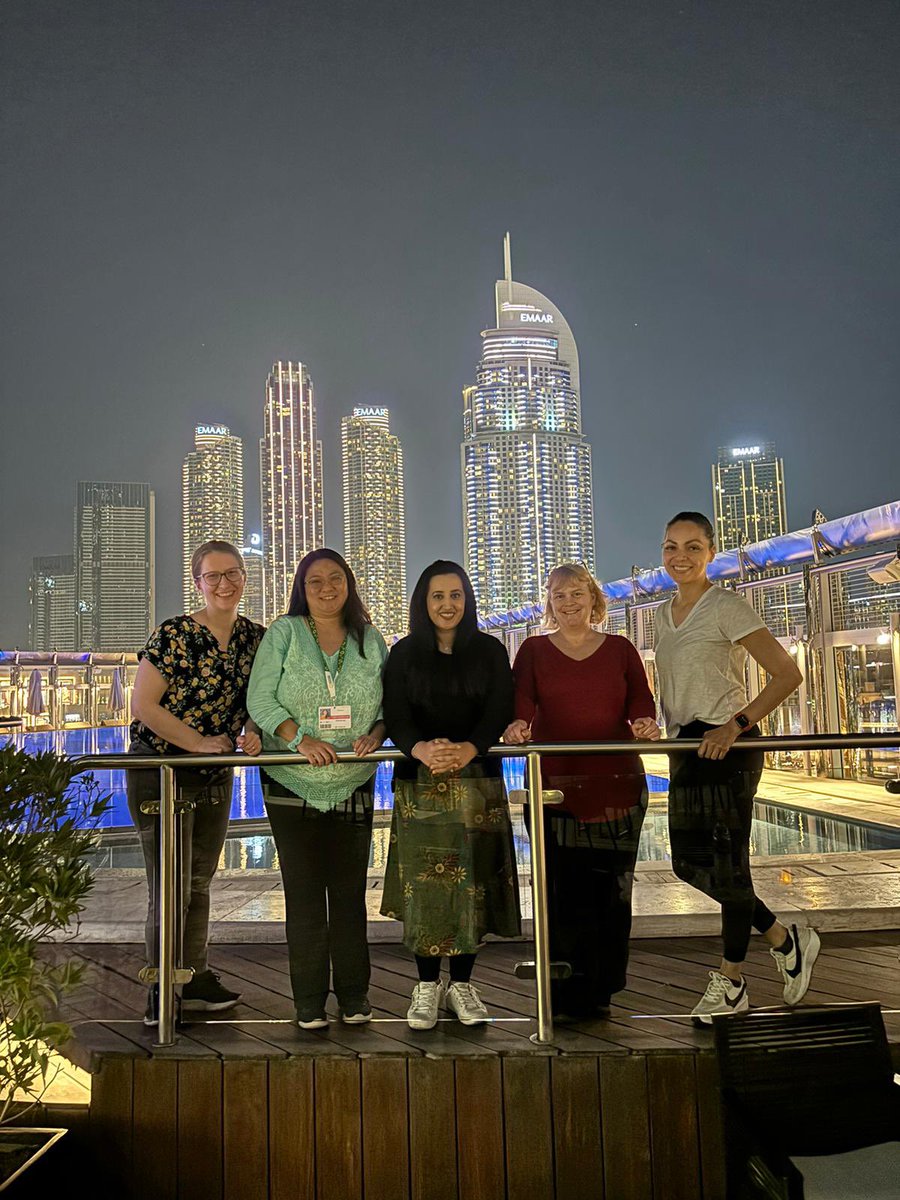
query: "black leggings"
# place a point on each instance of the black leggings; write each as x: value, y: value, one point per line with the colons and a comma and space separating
x: 429, y: 967
x: 710, y: 813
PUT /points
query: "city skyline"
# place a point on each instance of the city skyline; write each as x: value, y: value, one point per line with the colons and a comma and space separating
x: 710, y: 194
x: 212, y: 497
x: 749, y: 496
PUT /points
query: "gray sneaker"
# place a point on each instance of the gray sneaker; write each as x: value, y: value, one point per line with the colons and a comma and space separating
x: 721, y: 998
x: 426, y: 1000
x: 463, y: 999
x: 796, y: 966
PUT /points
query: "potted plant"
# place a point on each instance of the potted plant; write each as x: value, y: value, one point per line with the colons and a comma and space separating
x: 47, y: 825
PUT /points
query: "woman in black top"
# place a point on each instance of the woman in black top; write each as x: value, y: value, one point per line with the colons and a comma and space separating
x: 450, y: 876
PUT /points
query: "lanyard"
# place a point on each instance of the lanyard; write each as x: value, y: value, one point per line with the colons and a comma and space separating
x: 329, y: 678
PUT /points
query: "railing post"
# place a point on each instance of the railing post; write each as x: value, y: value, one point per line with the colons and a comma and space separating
x: 539, y: 899
x: 168, y: 906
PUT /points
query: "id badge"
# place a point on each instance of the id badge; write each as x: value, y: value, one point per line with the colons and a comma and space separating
x: 334, y: 716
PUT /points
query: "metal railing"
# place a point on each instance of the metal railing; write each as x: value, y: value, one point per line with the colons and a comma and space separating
x: 169, y: 886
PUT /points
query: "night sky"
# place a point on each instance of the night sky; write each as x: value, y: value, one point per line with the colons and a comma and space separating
x: 709, y: 193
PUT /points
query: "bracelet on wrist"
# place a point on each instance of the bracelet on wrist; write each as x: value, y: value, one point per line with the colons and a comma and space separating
x: 296, y: 740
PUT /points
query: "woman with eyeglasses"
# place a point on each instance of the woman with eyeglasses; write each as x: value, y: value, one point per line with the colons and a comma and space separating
x: 190, y: 697
x: 451, y: 870
x: 579, y: 684
x: 316, y: 690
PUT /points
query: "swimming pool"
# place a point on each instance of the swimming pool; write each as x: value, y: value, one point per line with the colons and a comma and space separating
x: 776, y: 830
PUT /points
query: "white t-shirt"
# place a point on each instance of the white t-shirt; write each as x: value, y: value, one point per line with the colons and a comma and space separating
x: 699, y: 665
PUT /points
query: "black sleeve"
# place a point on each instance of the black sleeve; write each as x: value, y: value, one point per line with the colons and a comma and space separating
x: 497, y: 711
x: 400, y: 724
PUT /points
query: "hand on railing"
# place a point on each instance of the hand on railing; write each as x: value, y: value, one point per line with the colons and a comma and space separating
x: 250, y: 743
x: 318, y: 754
x: 517, y: 733
x: 217, y: 743
x: 645, y: 729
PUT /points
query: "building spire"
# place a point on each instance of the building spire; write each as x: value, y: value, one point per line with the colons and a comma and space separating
x: 507, y: 267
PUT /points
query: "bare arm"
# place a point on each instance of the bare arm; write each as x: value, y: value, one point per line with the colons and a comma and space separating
x: 149, y: 688
x: 784, y: 677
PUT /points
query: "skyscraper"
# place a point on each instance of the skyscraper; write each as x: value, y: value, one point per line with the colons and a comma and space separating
x: 252, y: 603
x: 212, y: 496
x: 115, y: 565
x: 52, y: 595
x: 526, y: 466
x: 748, y: 494
x: 290, y: 480
x: 375, y: 514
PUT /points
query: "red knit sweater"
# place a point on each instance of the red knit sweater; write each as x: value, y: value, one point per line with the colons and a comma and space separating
x: 591, y: 700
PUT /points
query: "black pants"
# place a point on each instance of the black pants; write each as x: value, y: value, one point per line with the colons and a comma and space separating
x: 324, y: 858
x: 710, y: 814
x: 590, y: 874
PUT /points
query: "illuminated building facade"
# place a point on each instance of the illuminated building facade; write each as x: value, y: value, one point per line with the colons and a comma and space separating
x: 52, y: 596
x: 290, y: 464
x: 212, y: 491
x: 115, y: 566
x: 252, y: 603
x: 526, y: 466
x: 375, y: 515
x: 748, y: 495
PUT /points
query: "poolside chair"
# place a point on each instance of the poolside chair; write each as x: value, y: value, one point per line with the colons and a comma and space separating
x: 809, y: 1104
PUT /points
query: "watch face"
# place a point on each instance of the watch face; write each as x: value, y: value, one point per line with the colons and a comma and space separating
x: 743, y: 721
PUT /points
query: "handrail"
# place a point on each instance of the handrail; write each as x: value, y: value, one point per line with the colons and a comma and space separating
x: 530, y: 751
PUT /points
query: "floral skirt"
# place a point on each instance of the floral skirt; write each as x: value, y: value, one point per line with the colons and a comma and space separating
x: 451, y: 869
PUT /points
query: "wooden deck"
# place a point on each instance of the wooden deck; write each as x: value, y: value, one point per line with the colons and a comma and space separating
x: 248, y: 1106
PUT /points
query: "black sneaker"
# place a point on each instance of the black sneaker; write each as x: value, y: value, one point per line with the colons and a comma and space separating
x: 312, y: 1018
x: 151, y: 1013
x: 356, y: 1012
x: 205, y: 993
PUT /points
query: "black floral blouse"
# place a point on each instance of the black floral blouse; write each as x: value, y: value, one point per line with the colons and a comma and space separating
x: 207, y: 685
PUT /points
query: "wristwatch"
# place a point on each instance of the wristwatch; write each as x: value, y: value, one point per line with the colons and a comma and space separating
x: 743, y: 721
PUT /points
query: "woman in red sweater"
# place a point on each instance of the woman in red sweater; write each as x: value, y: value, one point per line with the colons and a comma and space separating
x: 580, y: 685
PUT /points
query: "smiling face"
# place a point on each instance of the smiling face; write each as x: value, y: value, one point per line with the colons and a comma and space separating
x: 220, y: 581
x: 687, y: 552
x: 571, y: 601
x: 446, y: 602
x: 326, y: 589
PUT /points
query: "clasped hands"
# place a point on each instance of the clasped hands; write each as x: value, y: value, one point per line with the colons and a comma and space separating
x: 441, y: 756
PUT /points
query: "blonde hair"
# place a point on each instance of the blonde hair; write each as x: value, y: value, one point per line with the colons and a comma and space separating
x: 582, y: 575
x: 216, y: 546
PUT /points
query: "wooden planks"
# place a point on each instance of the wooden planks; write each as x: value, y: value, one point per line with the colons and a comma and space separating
x: 245, y: 1129
x: 432, y: 1129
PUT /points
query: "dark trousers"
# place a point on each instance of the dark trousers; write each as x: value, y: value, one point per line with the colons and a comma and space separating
x: 324, y: 858
x: 710, y: 817
x: 202, y: 833
x: 590, y: 875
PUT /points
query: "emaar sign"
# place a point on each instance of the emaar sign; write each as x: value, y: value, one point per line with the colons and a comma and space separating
x: 212, y: 431
x: 745, y: 452
x: 536, y: 318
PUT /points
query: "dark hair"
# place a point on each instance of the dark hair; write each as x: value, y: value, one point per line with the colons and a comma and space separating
x: 355, y: 614
x: 469, y: 677
x: 695, y: 518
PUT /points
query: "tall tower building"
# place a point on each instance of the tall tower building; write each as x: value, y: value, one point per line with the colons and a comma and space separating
x: 290, y: 481
x: 212, y: 496
x: 115, y: 565
x: 526, y: 466
x: 748, y: 494
x: 252, y: 604
x: 375, y: 514
x: 52, y: 595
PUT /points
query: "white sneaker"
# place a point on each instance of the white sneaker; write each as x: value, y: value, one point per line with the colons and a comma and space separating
x: 721, y: 998
x: 426, y: 1000
x: 796, y: 966
x: 463, y: 999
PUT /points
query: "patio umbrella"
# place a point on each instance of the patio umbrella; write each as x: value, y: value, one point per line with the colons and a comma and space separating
x: 117, y: 692
x: 35, y: 702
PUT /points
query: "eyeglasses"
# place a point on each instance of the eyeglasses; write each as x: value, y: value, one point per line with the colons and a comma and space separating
x: 214, y: 578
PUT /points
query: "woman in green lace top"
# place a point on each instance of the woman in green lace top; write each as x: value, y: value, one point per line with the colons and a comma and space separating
x: 316, y: 689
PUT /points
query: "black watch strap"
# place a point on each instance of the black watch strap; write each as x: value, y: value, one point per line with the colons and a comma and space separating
x: 742, y: 720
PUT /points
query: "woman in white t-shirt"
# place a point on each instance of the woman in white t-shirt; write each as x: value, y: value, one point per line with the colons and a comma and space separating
x: 703, y: 636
